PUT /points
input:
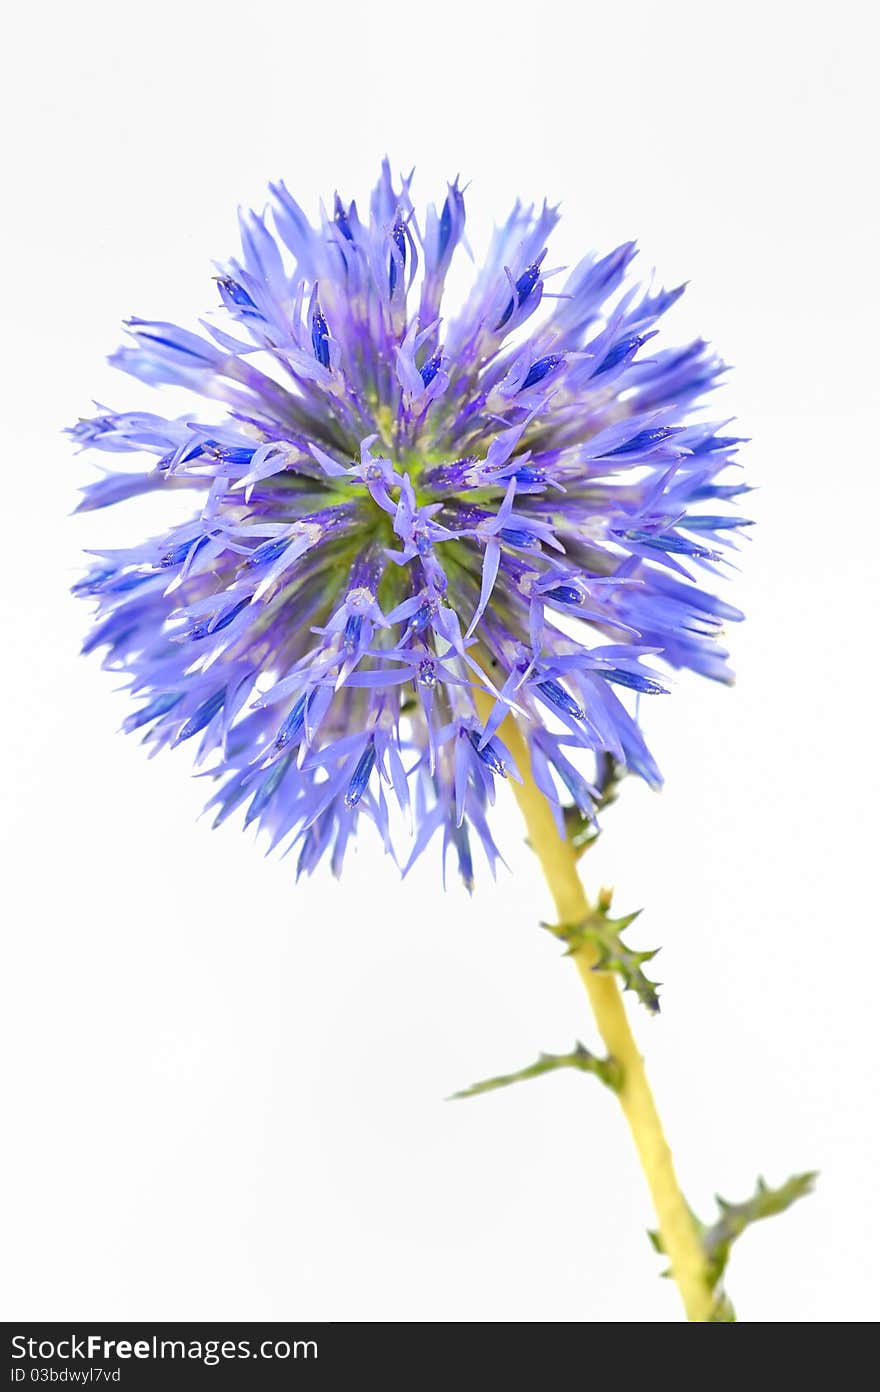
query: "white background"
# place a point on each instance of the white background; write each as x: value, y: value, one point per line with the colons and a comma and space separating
x: 226, y: 1091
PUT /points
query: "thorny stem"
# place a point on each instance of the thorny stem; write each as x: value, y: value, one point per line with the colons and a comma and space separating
x: 558, y: 862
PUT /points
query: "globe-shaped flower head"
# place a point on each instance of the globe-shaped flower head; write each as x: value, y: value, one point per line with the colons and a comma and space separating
x: 409, y: 525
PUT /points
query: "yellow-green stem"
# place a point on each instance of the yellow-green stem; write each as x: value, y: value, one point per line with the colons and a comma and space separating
x: 559, y: 863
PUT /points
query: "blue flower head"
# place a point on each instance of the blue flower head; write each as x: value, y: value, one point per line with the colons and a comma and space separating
x: 395, y: 508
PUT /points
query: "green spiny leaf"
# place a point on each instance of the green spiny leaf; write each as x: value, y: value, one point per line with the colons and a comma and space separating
x: 580, y: 1058
x: 718, y: 1239
x: 604, y: 933
x: 734, y: 1218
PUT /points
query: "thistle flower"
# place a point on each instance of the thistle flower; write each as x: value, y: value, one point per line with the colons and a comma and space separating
x: 430, y: 552
x: 395, y: 509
